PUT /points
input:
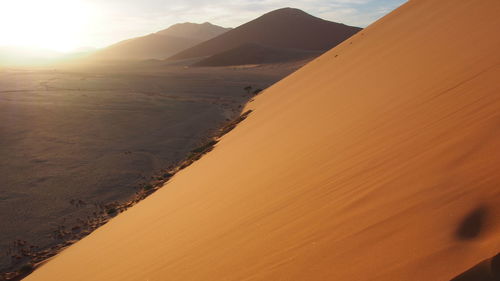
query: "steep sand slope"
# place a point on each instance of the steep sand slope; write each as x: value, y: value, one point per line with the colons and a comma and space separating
x: 377, y: 161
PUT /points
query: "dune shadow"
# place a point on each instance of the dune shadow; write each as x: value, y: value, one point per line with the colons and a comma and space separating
x: 487, y: 270
x: 472, y: 225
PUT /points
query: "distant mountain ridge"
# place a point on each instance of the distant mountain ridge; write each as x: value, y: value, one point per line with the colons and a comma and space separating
x: 251, y: 53
x: 376, y: 162
x: 161, y: 44
x: 203, y: 31
x: 286, y: 28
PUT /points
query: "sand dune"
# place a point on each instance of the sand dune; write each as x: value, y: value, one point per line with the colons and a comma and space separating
x: 377, y: 161
x: 251, y: 53
x: 285, y: 28
x: 76, y: 140
x: 161, y: 44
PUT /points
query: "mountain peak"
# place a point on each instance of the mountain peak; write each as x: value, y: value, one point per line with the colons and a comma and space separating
x: 285, y: 28
x: 287, y: 13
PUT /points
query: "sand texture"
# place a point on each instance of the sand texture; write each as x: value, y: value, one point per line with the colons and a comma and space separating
x: 73, y: 141
x: 377, y: 161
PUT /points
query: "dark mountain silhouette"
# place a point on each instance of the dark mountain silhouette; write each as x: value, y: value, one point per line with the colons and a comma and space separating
x: 252, y: 53
x: 285, y: 28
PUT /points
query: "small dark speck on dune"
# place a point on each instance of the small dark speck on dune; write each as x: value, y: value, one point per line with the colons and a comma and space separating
x: 473, y: 224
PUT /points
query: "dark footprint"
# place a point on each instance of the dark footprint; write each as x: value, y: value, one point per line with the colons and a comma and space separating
x: 487, y: 270
x: 472, y: 224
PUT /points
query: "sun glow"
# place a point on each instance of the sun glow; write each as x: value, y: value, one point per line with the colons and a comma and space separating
x: 49, y: 24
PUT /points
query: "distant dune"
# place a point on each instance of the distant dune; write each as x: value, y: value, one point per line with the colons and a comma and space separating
x: 377, y: 161
x: 252, y: 53
x: 161, y: 44
x: 285, y: 28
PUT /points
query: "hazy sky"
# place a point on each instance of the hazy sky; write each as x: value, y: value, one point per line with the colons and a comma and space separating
x: 66, y: 25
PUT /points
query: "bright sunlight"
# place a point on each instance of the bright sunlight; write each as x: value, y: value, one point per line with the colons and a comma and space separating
x: 51, y: 24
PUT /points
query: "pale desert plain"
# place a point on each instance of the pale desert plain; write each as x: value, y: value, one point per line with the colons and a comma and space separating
x: 376, y: 161
x: 76, y: 142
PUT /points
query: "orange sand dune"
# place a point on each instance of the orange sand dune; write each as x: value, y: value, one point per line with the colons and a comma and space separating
x: 377, y: 161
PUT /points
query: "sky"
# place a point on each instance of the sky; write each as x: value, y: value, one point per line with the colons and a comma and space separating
x: 75, y: 25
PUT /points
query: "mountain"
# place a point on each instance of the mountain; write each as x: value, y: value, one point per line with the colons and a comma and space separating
x: 285, y: 28
x: 251, y: 53
x: 376, y: 161
x: 198, y: 32
x: 161, y: 44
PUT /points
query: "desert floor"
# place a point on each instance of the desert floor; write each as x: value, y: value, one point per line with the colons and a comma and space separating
x: 75, y: 139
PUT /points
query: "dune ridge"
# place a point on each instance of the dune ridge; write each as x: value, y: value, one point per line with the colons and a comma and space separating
x: 376, y: 161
